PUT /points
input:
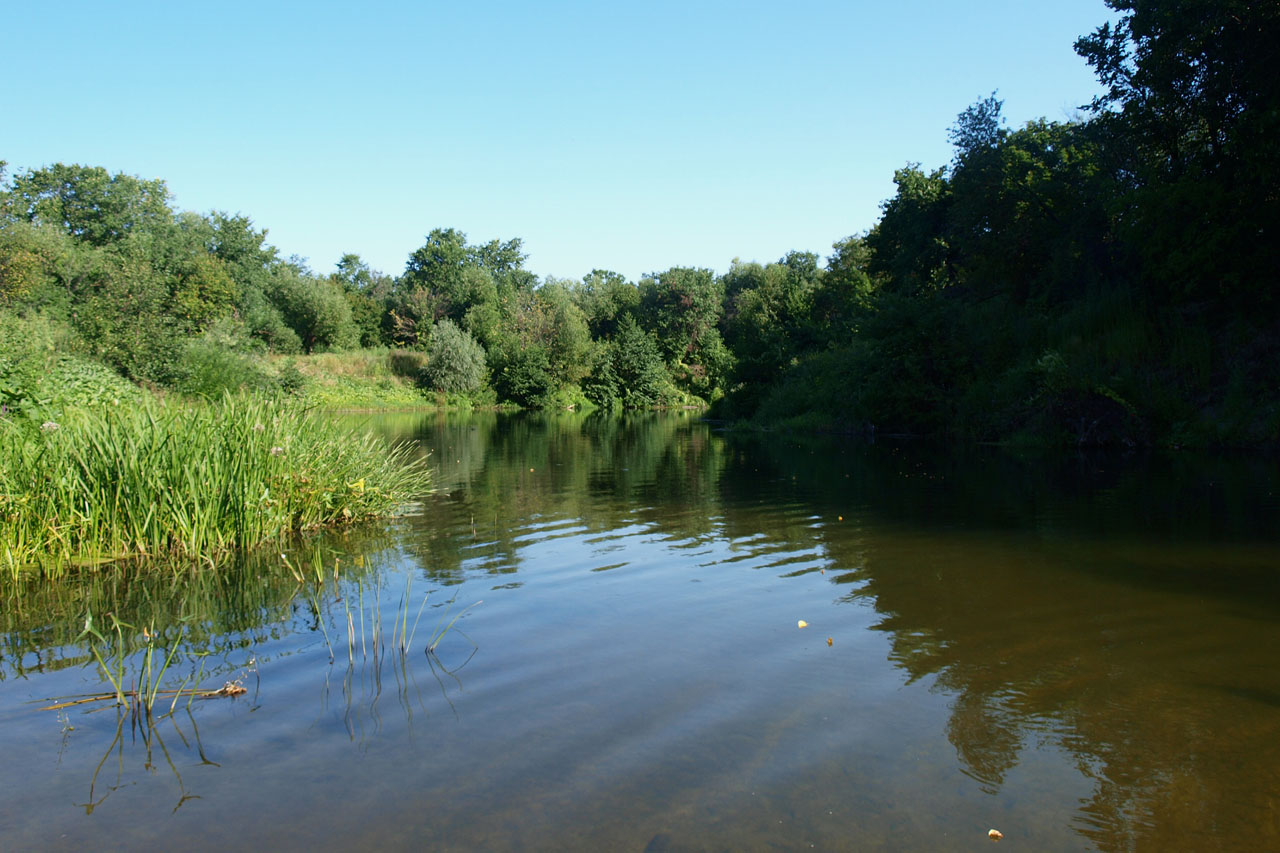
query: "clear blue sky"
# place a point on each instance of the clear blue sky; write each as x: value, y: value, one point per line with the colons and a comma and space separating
x: 624, y: 136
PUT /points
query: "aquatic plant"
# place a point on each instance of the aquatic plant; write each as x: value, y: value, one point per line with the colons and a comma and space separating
x: 138, y: 692
x: 158, y: 479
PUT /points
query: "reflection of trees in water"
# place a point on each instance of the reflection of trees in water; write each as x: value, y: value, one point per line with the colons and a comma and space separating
x: 1121, y: 677
x: 1079, y: 605
x: 1121, y: 611
x: 514, y: 474
x: 1089, y: 653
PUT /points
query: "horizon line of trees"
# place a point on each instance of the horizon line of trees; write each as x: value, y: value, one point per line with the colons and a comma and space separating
x: 1108, y: 280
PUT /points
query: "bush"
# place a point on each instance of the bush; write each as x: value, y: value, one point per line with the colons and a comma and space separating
x: 40, y: 373
x: 315, y: 309
x: 524, y: 376
x: 642, y: 377
x: 210, y: 370
x: 455, y: 362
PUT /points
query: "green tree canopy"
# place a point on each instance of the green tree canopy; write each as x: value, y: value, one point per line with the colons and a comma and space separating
x: 88, y: 202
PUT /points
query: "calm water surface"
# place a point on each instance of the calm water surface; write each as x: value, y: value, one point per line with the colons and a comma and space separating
x: 1081, y: 653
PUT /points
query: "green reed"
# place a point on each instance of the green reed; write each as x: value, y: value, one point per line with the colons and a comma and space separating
x: 159, y: 479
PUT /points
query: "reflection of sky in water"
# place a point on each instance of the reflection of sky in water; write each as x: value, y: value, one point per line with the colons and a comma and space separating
x: 1078, y: 654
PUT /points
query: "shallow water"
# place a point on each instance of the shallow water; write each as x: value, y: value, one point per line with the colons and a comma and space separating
x: 1078, y: 652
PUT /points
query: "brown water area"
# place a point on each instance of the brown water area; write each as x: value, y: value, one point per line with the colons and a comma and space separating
x: 589, y: 638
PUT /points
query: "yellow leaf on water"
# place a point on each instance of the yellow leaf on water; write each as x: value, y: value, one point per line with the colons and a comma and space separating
x: 830, y: 641
x: 803, y: 624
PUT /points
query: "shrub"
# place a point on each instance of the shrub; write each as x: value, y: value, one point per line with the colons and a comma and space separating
x: 210, y: 370
x: 455, y: 362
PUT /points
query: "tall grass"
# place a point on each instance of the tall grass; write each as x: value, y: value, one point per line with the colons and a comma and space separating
x: 361, y: 379
x: 159, y: 479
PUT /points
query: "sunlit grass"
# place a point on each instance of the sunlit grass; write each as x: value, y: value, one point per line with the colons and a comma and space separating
x: 360, y: 379
x: 156, y: 479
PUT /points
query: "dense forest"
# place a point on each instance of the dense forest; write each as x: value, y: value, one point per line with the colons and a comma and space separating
x: 1103, y: 281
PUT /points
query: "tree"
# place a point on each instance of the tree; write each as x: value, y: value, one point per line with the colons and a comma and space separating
x: 681, y: 306
x: 539, y: 343
x: 89, y: 203
x: 978, y: 128
x: 844, y: 295
x: 367, y: 292
x: 909, y: 252
x: 630, y: 371
x: 604, y: 297
x: 28, y: 257
x: 769, y: 322
x: 1028, y: 214
x: 314, y: 308
x: 456, y: 276
x: 1192, y: 90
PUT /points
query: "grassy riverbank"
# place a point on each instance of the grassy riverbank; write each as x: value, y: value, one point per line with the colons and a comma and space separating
x: 159, y: 479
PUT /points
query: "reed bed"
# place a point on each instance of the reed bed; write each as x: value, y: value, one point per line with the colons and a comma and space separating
x: 161, y: 479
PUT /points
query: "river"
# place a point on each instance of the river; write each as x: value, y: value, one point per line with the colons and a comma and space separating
x: 647, y: 634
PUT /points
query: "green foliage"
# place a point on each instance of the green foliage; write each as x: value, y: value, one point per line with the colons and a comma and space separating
x: 40, y: 373
x: 315, y: 309
x: 266, y: 324
x: 1028, y: 215
x: 821, y: 392
x: 909, y: 250
x: 28, y: 258
x: 455, y: 362
x: 291, y: 381
x: 119, y: 311
x: 523, y: 375
x: 601, y: 386
x: 605, y: 297
x: 629, y: 371
x: 1192, y: 96
x: 845, y: 293
x: 367, y: 293
x: 555, y: 319
x: 221, y: 361
x: 681, y: 306
x: 88, y: 203
x: 770, y: 318
x: 446, y: 277
x: 202, y: 290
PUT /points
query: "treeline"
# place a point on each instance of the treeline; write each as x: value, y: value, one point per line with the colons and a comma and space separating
x: 1110, y: 280
x: 101, y: 264
x: 1107, y: 280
